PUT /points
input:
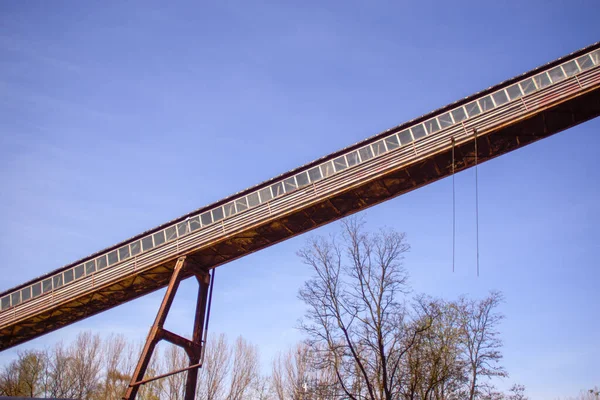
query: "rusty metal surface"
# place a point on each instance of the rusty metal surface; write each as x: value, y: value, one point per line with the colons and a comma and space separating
x: 508, y: 127
x: 360, y: 196
x: 330, y: 156
x: 193, y: 347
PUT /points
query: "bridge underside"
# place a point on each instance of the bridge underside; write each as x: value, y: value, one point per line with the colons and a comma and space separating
x: 402, y: 180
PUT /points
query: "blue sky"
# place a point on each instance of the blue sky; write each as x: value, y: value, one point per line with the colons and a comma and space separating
x: 118, y: 116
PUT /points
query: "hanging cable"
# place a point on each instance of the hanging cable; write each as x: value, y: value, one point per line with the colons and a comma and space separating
x: 453, y: 210
x: 210, y: 293
x: 476, y: 202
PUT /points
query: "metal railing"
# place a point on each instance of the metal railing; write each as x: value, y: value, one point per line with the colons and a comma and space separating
x: 415, y: 142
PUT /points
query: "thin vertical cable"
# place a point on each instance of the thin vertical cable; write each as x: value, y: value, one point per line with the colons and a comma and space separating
x: 453, y: 211
x: 205, y: 333
x: 476, y: 202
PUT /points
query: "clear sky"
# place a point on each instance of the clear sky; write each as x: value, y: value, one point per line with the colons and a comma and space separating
x: 118, y: 116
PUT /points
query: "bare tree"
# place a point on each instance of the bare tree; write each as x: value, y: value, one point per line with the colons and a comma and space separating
x: 362, y: 326
x: 89, y: 368
x: 297, y: 374
x: 517, y: 392
x: 24, y: 376
x: 32, y: 365
x: 590, y: 394
x: 355, y: 315
x: 290, y: 372
x: 214, y: 371
x: 261, y: 389
x: 60, y: 380
x: 86, y: 362
x: 174, y: 358
x: 245, y: 370
x: 489, y: 392
x: 152, y: 390
x: 74, y: 371
x: 433, y: 364
x: 297, y: 368
x: 278, y: 378
x: 9, y: 380
x: 118, y: 364
x: 481, y: 340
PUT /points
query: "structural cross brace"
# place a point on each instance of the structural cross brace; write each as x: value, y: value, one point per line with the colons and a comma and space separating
x: 194, y: 348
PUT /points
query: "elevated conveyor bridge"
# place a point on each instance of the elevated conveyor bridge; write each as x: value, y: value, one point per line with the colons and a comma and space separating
x: 502, y: 118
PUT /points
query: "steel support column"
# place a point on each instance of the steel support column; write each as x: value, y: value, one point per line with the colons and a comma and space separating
x: 193, y: 348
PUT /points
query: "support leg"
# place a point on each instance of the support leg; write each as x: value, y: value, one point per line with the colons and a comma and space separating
x: 193, y: 347
x: 194, y: 356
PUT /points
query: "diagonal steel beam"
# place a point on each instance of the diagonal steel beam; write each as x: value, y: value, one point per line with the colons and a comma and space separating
x: 193, y: 347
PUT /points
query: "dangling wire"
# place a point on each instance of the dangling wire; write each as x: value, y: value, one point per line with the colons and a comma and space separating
x: 453, y: 210
x: 210, y: 294
x: 476, y: 202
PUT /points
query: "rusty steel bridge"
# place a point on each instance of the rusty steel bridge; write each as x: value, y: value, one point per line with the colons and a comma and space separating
x: 502, y: 118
